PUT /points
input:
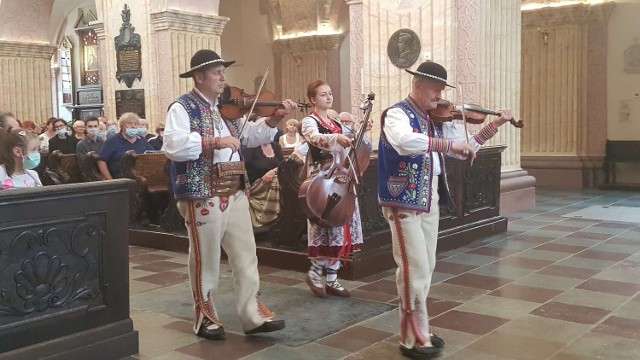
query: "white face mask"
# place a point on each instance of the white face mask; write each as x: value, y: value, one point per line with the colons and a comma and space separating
x: 93, y: 133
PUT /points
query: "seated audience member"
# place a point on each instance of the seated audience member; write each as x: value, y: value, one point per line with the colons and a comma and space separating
x: 19, y: 154
x: 8, y: 120
x: 30, y: 126
x: 48, y: 133
x: 346, y: 119
x: 103, y: 119
x: 126, y: 140
x: 79, y: 128
x: 157, y: 141
x: 112, y: 128
x: 143, y: 130
x: 92, y: 142
x: 291, y: 138
x: 102, y: 134
x: 63, y: 140
x: 261, y: 164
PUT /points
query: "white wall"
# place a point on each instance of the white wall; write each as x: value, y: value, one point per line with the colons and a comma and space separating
x: 622, y: 87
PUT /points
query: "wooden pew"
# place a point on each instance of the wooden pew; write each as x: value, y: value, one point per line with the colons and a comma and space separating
x: 65, y: 168
x: 148, y: 170
x: 89, y: 167
x: 619, y: 152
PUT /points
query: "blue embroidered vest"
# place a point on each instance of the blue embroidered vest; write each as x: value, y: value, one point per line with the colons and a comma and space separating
x: 404, y: 182
x: 192, y: 179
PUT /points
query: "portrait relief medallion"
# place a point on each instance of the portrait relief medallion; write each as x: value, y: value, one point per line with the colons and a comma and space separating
x: 403, y: 48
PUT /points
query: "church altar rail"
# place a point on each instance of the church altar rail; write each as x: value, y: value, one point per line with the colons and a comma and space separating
x: 77, y: 236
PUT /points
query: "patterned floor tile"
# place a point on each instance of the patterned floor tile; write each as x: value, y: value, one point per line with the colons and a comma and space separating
x: 591, y: 298
x: 622, y: 327
x: 600, y: 346
x: 571, y: 249
x: 502, y: 271
x: 234, y: 347
x: 455, y: 292
x: 545, y: 328
x: 280, y: 280
x: 526, y: 293
x: 452, y: 268
x: 306, y: 352
x: 523, y: 262
x: 511, y: 346
x: 468, y: 322
x: 471, y: 259
x: 478, y: 281
x: 165, y: 278
x: 381, y: 286
x: 355, y: 338
x: 610, y: 287
x: 501, y: 307
x: 567, y: 312
x: 601, y: 255
x: 568, y: 271
x: 548, y: 282
x: 159, y: 266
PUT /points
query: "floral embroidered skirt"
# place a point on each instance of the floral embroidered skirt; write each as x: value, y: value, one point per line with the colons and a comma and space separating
x: 325, y: 242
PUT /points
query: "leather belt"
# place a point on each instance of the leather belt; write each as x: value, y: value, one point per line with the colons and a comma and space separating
x: 227, y: 178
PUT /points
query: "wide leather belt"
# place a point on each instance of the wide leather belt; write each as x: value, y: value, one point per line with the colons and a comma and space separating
x: 226, y: 186
x: 227, y: 178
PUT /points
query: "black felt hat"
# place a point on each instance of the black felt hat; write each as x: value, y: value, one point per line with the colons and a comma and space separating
x: 432, y: 71
x: 203, y: 59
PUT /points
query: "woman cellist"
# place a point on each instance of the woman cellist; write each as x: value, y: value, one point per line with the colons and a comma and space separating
x: 327, y: 244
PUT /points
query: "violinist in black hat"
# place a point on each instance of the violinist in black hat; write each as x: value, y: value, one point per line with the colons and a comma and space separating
x: 412, y: 185
x: 209, y: 182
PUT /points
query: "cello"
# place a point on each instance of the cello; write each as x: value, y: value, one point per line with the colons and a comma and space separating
x: 329, y: 198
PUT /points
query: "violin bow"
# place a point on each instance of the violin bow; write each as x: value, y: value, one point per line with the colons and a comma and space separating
x: 264, y: 79
x: 464, y: 117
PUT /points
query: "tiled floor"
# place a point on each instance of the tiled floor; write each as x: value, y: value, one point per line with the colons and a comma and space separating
x: 549, y: 288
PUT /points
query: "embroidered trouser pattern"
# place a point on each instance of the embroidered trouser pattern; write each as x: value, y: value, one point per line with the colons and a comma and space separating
x: 414, y: 237
x: 223, y: 222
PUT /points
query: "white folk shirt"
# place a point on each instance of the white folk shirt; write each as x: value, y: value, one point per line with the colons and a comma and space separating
x: 399, y: 133
x: 181, y: 144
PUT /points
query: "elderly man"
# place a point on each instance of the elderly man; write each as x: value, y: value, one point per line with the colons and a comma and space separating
x: 8, y: 120
x: 114, y: 148
x: 210, y: 183
x: 346, y: 119
x: 412, y: 184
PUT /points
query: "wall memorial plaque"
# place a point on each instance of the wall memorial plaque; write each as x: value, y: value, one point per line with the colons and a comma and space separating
x: 130, y: 101
x: 128, y: 54
x: 403, y: 48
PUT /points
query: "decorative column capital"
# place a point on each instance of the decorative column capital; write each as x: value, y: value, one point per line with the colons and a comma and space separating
x: 570, y: 14
x: 26, y: 50
x: 189, y: 22
x: 308, y: 43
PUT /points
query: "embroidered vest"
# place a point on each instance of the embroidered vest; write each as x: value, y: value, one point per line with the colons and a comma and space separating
x: 404, y: 182
x: 318, y: 154
x: 192, y: 179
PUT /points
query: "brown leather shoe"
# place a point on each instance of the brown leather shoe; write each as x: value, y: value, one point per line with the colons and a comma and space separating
x: 315, y: 290
x: 420, y: 352
x: 336, y: 289
x: 211, y: 334
x: 268, y: 326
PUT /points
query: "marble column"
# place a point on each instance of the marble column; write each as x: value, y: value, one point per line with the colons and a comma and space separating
x: 25, y: 80
x: 356, y: 54
x: 301, y: 60
x: 564, y: 68
x: 178, y: 35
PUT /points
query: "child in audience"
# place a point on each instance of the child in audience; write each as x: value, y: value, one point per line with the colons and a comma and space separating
x: 19, y: 154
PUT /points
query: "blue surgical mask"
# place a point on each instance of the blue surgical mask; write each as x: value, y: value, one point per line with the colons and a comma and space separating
x: 92, y: 133
x: 31, y: 161
x: 102, y: 134
x: 61, y: 132
x: 113, y: 129
x: 142, y: 132
x: 132, y: 132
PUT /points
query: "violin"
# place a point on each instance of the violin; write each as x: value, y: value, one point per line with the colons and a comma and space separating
x: 473, y: 114
x: 235, y: 102
x: 329, y: 198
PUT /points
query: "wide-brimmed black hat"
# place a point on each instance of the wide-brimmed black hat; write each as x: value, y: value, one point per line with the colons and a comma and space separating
x: 203, y: 59
x: 432, y: 71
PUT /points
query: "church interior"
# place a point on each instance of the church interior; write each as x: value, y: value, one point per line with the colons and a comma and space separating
x: 538, y: 259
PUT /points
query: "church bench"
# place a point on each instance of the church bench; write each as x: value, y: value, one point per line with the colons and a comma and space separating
x: 619, y: 152
x: 152, y: 185
x: 62, y: 168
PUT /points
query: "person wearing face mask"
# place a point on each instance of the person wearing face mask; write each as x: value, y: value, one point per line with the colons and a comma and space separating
x: 92, y: 142
x: 157, y: 141
x: 126, y: 140
x: 112, y: 128
x: 19, y: 154
x: 143, y: 130
x: 63, y: 140
x: 102, y: 131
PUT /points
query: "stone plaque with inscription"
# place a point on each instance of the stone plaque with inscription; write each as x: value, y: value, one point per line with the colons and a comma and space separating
x: 403, y: 48
x: 130, y: 101
x: 128, y: 51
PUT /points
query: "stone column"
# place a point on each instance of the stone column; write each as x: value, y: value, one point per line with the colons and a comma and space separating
x: 107, y: 53
x: 301, y: 60
x: 487, y: 70
x: 25, y: 80
x: 564, y: 99
x: 356, y: 53
x: 178, y: 35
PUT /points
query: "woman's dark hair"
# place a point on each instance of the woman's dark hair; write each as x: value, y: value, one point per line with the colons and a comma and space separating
x: 50, y: 121
x: 3, y: 118
x: 9, y: 139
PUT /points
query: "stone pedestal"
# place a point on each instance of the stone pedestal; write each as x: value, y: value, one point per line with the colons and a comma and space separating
x: 25, y: 80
